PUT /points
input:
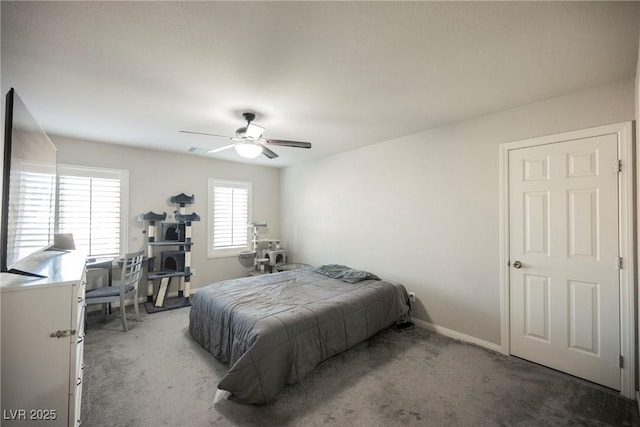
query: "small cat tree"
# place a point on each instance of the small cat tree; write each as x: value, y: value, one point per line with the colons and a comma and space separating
x: 264, y: 259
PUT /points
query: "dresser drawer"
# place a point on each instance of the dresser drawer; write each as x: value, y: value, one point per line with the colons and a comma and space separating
x: 74, y: 407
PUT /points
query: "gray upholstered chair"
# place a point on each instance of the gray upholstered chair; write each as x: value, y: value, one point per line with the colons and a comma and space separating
x: 119, y: 291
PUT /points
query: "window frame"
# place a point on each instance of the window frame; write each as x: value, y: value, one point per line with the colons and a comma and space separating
x: 228, y: 252
x: 105, y: 173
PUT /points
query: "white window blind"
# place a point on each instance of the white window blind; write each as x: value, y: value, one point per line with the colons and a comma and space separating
x: 34, y: 225
x: 90, y: 205
x: 229, y: 213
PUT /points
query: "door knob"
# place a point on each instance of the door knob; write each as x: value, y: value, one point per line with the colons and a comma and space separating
x: 517, y: 264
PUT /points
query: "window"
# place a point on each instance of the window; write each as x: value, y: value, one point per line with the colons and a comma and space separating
x: 92, y: 204
x: 229, y: 213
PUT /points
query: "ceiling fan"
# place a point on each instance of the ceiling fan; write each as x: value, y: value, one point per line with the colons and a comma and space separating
x: 248, y: 141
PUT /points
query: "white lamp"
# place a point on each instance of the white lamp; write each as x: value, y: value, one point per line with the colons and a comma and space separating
x: 248, y: 150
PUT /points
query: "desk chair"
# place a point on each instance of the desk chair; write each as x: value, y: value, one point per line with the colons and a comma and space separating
x: 100, y: 272
x: 127, y: 286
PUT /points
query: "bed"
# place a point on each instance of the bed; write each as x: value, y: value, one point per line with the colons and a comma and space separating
x: 274, y: 329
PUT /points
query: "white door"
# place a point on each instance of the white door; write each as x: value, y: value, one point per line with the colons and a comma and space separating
x: 564, y: 252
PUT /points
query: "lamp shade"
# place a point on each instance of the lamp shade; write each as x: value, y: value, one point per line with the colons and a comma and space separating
x: 248, y: 150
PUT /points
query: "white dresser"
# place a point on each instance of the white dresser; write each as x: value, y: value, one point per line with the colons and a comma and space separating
x: 42, y: 333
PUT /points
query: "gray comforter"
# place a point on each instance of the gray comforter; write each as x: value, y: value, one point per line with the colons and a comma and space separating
x: 274, y: 329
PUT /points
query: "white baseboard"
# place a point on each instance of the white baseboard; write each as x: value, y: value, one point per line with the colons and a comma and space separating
x: 457, y: 335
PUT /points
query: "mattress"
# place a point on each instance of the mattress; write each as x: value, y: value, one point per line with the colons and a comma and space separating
x: 274, y: 329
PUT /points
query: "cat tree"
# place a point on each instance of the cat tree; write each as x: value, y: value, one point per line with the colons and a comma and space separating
x: 264, y: 258
x: 175, y: 263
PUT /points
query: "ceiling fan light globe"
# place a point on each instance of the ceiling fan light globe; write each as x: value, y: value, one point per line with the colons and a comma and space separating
x: 248, y: 151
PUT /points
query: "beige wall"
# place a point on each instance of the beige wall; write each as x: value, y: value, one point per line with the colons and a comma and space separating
x: 424, y: 209
x: 155, y: 176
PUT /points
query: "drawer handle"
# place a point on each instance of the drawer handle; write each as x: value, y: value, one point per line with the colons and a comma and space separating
x: 62, y: 334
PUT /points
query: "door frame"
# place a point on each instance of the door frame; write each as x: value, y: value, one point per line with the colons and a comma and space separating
x: 626, y: 215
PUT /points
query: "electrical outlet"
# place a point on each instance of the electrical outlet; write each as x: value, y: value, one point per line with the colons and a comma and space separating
x: 412, y: 297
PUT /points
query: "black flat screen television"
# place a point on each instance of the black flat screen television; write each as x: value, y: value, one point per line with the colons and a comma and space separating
x: 29, y: 181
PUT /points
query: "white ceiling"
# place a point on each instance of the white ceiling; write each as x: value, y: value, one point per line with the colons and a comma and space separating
x: 338, y: 74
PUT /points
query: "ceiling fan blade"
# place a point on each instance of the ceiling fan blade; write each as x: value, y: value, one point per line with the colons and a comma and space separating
x: 217, y: 150
x: 209, y: 134
x: 297, y: 144
x: 270, y: 154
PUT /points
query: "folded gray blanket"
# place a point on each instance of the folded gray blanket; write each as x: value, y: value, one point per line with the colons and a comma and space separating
x: 344, y: 273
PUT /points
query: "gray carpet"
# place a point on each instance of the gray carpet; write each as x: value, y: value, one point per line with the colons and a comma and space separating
x: 156, y: 375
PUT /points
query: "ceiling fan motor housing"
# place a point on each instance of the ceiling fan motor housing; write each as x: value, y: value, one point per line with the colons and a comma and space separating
x: 241, y: 132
